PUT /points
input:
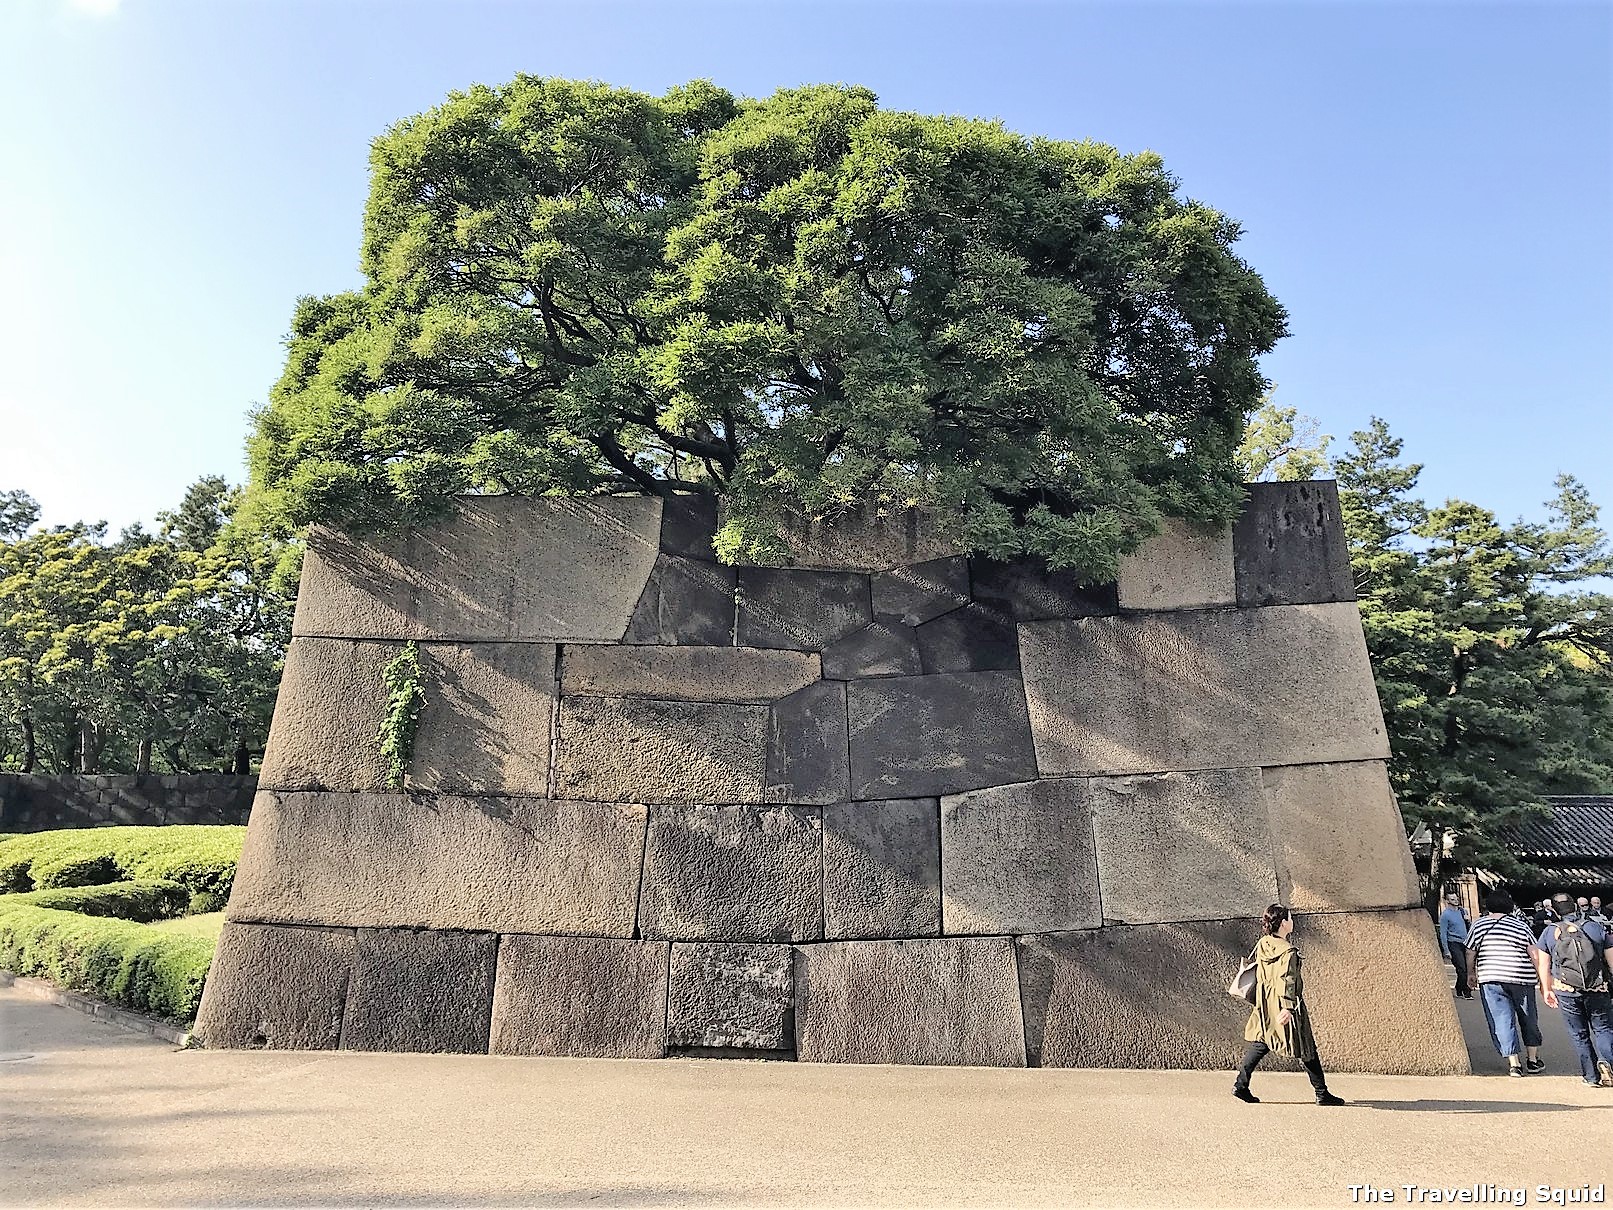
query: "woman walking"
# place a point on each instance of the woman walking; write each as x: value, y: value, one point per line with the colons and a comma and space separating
x: 1280, y: 1021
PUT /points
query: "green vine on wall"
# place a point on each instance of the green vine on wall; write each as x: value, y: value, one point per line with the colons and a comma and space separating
x: 405, y: 700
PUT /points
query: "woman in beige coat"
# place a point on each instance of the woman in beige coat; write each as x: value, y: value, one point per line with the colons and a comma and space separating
x: 1280, y: 1022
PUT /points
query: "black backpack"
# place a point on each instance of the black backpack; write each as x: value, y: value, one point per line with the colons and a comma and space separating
x: 1575, y: 958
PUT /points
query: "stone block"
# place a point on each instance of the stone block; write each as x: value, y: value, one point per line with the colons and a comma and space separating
x: 690, y: 674
x: 356, y: 587
x: 807, y: 756
x: 688, y: 525
x: 800, y: 610
x: 622, y: 749
x: 733, y: 873
x: 389, y: 860
x: 882, y: 869
x: 588, y: 997
x: 1184, y: 566
x: 971, y: 639
x: 420, y: 991
x: 1290, y: 547
x: 1216, y: 689
x: 922, y: 591
x: 331, y: 703
x: 276, y: 988
x: 486, y: 722
x: 723, y: 996
x: 1182, y: 846
x: 685, y: 601
x: 920, y: 736
x: 1026, y: 591
x: 1018, y: 859
x: 945, y: 1000
x: 868, y: 539
x: 882, y: 648
x: 1341, y: 842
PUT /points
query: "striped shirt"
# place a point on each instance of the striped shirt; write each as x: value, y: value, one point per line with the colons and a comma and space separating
x: 1502, y: 948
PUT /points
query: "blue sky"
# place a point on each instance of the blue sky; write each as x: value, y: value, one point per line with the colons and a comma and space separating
x: 1427, y: 187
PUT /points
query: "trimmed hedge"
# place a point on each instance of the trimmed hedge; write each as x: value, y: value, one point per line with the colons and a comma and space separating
x: 202, y: 857
x: 143, y: 901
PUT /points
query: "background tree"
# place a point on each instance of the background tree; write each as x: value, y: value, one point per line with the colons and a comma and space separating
x: 804, y: 303
x: 1282, y: 444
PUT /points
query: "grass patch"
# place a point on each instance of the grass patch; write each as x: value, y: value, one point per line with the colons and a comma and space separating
x: 208, y: 926
x: 201, y: 857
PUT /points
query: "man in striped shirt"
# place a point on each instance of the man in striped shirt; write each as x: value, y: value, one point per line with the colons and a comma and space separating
x: 1504, y: 961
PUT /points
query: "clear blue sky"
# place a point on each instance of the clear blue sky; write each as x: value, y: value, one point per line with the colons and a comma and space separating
x: 1427, y: 187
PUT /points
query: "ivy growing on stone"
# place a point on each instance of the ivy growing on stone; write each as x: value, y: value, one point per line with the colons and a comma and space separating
x: 405, y: 699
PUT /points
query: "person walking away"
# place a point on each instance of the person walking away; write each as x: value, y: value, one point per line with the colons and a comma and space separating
x: 1502, y: 959
x: 1453, y: 943
x: 1280, y: 1021
x: 1575, y: 956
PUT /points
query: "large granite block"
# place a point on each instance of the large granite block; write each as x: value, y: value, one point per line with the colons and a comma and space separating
x: 724, y: 996
x: 486, y: 722
x: 621, y: 749
x: 1216, y: 689
x: 588, y: 997
x: 868, y: 538
x: 358, y: 587
x: 971, y: 639
x: 1341, y: 841
x: 945, y: 1000
x: 689, y: 674
x: 688, y: 526
x: 882, y: 648
x: 1290, y: 547
x: 276, y: 988
x: 1182, y: 846
x: 1018, y: 859
x: 882, y: 869
x: 1184, y: 566
x: 733, y: 873
x: 326, y: 718
x: 1026, y: 591
x: 420, y: 991
x: 920, y: 736
x: 685, y: 601
x: 913, y: 595
x: 389, y: 860
x: 800, y: 610
x: 807, y: 756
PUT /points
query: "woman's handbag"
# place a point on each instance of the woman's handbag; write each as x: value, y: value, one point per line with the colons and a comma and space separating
x: 1243, y: 983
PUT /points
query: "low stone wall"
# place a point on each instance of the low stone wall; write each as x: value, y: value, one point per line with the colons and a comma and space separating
x: 32, y: 802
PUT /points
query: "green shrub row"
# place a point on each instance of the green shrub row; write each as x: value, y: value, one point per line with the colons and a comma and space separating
x: 143, y: 901
x: 202, y: 857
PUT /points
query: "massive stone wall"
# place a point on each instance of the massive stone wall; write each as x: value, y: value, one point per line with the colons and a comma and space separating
x: 35, y: 802
x: 891, y: 804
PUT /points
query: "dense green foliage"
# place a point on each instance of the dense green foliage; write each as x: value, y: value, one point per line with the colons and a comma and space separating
x: 143, y: 900
x: 405, y: 700
x: 804, y: 303
x: 202, y: 858
x: 1281, y: 444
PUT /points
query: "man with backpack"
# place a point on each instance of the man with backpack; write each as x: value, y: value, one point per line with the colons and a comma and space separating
x: 1575, y: 956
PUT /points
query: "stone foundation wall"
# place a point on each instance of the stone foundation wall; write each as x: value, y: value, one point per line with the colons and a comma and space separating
x: 891, y: 804
x: 32, y: 802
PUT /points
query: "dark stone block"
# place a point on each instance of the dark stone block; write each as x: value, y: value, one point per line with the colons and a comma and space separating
x: 923, y: 591
x: 800, y: 610
x: 807, y: 757
x: 420, y: 991
x: 1289, y: 546
x: 731, y: 996
x: 276, y: 987
x: 882, y: 869
x: 1026, y: 591
x: 688, y: 524
x: 884, y: 647
x: 971, y: 639
x: 590, y: 997
x: 685, y: 601
x: 920, y: 736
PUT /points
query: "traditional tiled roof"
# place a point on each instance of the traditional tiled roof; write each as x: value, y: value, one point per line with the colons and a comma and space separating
x: 1579, y: 830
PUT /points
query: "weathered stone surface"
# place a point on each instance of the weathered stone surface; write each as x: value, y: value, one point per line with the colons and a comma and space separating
x: 276, y: 988
x: 882, y: 869
x: 868, y: 539
x: 1025, y: 591
x: 485, y: 725
x: 800, y: 610
x: 947, y: 1000
x: 688, y: 524
x: 1182, y: 846
x: 622, y: 749
x: 807, y: 756
x: 731, y: 996
x: 1290, y: 547
x: 692, y: 674
x: 920, y: 736
x: 332, y: 699
x: 420, y: 991
x: 379, y: 860
x: 916, y: 594
x: 971, y: 639
x: 351, y: 587
x: 588, y: 997
x: 1183, y: 567
x: 1341, y: 842
x: 882, y: 648
x: 1018, y: 859
x: 733, y: 873
x: 1214, y: 689
x: 685, y: 601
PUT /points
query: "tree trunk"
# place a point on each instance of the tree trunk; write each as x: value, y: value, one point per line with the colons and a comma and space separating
x: 242, y: 761
x: 88, y: 749
x: 29, y: 750
x: 1436, y: 851
x: 142, y: 760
